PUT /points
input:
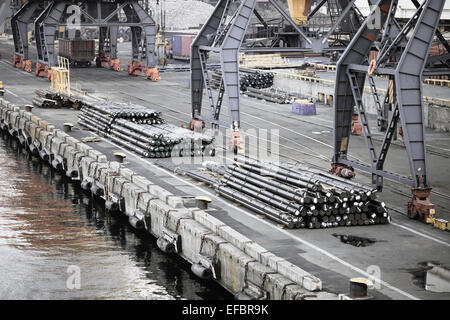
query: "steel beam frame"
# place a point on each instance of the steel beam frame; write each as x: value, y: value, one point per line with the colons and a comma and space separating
x: 98, y: 14
x: 19, y: 24
x: 226, y: 37
x: 405, y: 66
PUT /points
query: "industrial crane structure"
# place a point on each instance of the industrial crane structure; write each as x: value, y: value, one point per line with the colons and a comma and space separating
x: 224, y: 33
x: 402, y: 57
x: 48, y: 16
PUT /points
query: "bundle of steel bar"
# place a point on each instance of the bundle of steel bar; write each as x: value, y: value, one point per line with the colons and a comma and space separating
x: 143, y: 131
x: 48, y: 99
x: 255, y: 79
x: 260, y: 87
x: 44, y: 102
x: 132, y: 112
x: 271, y: 95
x: 298, y: 197
x: 184, y: 68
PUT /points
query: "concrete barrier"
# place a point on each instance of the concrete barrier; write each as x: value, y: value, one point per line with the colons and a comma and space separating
x: 236, y: 262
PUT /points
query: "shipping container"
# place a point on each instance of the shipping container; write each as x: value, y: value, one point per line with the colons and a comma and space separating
x: 79, y: 52
x: 182, y: 46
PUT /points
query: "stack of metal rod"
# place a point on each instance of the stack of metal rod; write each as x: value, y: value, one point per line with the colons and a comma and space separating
x: 248, y: 79
x: 143, y: 130
x: 271, y: 95
x: 44, y: 100
x: 299, y: 197
x: 258, y: 80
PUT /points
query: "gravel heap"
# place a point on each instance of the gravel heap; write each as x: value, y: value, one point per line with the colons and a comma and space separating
x: 183, y: 14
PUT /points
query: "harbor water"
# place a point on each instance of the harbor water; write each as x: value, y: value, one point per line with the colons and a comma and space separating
x: 56, y: 242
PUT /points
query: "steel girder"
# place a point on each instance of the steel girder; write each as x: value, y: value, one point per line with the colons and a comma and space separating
x: 225, y: 37
x: 404, y: 64
x: 105, y: 16
x: 19, y: 24
x: 5, y: 12
x: 348, y: 21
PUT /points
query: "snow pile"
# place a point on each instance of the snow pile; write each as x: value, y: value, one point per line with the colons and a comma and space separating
x: 182, y: 14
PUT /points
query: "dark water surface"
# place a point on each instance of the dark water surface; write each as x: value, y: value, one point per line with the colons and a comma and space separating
x: 49, y: 228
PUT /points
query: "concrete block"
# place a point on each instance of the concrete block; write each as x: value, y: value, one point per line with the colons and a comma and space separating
x: 299, y: 276
x: 127, y: 173
x: 61, y: 134
x: 232, y: 267
x: 234, y: 237
x: 272, y: 262
x: 276, y: 286
x: 141, y: 182
x: 72, y: 141
x: 211, y: 245
x: 130, y: 193
x: 207, y: 220
x: 114, y: 166
x: 191, y: 233
x: 257, y: 273
x: 98, y: 156
x: 173, y: 219
x: 174, y: 201
x: 144, y: 201
x: 84, y: 147
x: 159, y: 192
x: 254, y: 250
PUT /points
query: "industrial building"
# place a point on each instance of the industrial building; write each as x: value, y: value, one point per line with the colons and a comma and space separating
x: 257, y: 150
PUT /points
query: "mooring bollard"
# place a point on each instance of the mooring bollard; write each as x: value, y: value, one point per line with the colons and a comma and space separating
x: 358, y: 288
x: 202, y: 202
x: 68, y: 127
x: 119, y: 156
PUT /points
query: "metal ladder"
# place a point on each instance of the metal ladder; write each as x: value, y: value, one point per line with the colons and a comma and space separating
x: 333, y: 9
x: 207, y: 82
x: 391, y: 131
x: 362, y: 116
x: 376, y: 98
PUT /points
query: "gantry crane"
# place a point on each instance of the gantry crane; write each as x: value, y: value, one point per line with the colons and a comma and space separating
x: 48, y: 16
x: 224, y: 33
x: 402, y: 57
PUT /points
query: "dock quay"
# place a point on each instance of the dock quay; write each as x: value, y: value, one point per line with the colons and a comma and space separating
x: 317, y: 252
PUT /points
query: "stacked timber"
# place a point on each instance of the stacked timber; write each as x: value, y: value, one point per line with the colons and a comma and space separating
x: 296, y: 196
x: 143, y: 130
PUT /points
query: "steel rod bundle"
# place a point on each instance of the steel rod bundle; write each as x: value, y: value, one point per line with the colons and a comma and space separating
x: 48, y: 99
x: 298, y: 198
x: 41, y: 102
x: 257, y: 80
x: 271, y: 95
x: 143, y: 130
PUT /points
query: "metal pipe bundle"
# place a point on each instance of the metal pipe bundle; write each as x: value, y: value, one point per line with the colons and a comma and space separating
x: 143, y: 130
x: 41, y: 102
x: 255, y: 79
x: 297, y: 198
